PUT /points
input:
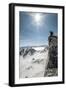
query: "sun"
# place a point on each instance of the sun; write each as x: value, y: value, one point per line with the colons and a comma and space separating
x: 37, y: 18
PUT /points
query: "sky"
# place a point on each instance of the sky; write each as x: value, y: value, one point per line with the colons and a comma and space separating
x: 34, y: 28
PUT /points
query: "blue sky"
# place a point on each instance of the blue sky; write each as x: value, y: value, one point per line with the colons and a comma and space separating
x: 34, y: 31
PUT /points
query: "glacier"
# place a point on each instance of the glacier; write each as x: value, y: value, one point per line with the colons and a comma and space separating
x: 33, y: 61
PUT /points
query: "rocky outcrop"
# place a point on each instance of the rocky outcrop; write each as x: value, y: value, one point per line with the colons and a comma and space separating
x: 26, y: 51
x: 53, y: 51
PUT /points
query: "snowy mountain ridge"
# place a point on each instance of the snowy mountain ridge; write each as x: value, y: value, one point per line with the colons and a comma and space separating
x: 33, y: 61
x: 31, y: 50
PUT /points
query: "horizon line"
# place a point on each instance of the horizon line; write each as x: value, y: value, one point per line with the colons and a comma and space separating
x: 33, y: 46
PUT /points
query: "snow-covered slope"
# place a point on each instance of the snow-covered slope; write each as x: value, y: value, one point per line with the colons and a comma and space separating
x: 33, y: 62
